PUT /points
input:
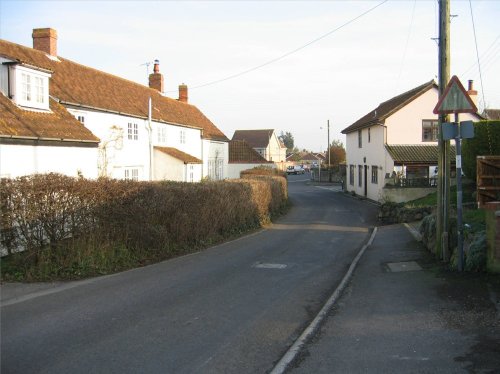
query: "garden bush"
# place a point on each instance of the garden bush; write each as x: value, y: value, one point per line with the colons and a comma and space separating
x: 54, y: 226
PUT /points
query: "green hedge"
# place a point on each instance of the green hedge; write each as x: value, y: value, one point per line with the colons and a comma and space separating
x: 486, y: 142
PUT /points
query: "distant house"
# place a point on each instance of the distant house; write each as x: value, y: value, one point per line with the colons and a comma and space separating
x: 140, y: 133
x: 396, y: 139
x: 492, y: 114
x: 266, y: 143
x: 243, y: 157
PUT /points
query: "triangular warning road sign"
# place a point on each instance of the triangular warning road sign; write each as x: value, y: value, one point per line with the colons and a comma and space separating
x: 455, y: 99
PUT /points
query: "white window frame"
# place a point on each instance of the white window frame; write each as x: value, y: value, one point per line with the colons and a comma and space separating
x: 374, y: 174
x: 31, y: 88
x: 183, y: 136
x: 162, y: 134
x: 131, y: 174
x: 132, y: 131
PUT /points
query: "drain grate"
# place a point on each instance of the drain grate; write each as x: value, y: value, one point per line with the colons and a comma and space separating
x: 397, y: 267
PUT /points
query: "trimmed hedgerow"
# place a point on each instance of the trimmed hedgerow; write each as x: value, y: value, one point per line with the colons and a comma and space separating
x: 58, y: 227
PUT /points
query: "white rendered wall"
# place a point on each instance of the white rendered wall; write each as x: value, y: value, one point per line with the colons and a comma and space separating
x: 19, y: 160
x: 122, y: 153
x: 215, y: 150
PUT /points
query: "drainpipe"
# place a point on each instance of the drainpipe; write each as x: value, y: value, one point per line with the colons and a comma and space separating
x: 150, y: 130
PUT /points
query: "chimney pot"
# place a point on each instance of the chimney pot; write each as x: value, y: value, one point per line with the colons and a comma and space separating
x: 156, y: 78
x: 183, y: 93
x: 45, y: 40
x: 472, y: 92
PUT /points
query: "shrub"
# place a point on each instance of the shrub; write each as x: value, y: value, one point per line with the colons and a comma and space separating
x: 70, y: 227
x: 486, y: 142
x: 475, y: 257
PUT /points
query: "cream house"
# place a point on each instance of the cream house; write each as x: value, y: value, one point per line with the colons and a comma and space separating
x: 396, y: 141
x: 266, y: 143
x: 136, y: 131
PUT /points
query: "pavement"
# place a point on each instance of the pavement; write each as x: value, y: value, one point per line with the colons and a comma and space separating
x: 401, y: 312
x: 404, y: 312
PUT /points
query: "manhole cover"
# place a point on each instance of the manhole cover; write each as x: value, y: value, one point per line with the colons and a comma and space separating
x: 269, y: 266
x: 396, y: 267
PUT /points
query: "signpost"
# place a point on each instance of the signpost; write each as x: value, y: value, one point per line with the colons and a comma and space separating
x: 456, y: 100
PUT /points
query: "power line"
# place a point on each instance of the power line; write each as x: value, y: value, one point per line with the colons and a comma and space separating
x: 477, y: 52
x: 291, y: 52
x: 406, y: 44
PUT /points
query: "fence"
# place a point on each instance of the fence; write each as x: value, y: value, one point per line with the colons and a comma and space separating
x: 488, y: 181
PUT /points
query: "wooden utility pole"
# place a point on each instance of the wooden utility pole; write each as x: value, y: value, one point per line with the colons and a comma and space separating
x: 443, y: 198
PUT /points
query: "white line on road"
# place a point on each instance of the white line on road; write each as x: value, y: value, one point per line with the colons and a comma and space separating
x: 309, y: 331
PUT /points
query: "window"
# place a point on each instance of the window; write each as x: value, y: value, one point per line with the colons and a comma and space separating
x: 369, y: 135
x: 360, y: 175
x: 430, y: 130
x: 132, y: 174
x: 39, y: 90
x: 26, y: 87
x: 351, y: 174
x: 162, y: 134
x: 215, y: 169
x: 360, y: 139
x: 183, y: 137
x: 31, y: 88
x: 133, y: 131
x: 191, y: 173
x: 375, y: 174
x: 81, y: 119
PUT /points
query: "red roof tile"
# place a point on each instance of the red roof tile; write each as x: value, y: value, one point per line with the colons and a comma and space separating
x: 241, y: 152
x: 389, y: 107
x: 57, y: 124
x: 255, y: 138
x: 79, y: 85
x: 184, y: 157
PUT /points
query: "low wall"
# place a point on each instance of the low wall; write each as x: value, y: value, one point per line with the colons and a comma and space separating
x: 401, y: 195
x: 397, y: 213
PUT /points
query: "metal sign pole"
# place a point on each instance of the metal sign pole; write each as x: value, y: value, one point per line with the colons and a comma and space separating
x: 460, y: 230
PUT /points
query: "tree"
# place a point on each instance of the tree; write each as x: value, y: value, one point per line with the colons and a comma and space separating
x: 287, y: 139
x: 337, y: 153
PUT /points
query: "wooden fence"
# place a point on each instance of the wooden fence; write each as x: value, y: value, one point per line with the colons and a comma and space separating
x: 488, y: 182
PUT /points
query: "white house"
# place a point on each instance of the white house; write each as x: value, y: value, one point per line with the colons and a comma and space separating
x: 399, y: 137
x: 243, y: 157
x: 143, y: 134
x: 266, y: 143
x: 35, y: 130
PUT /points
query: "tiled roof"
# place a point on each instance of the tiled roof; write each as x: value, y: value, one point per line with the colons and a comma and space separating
x: 389, y: 107
x: 492, y: 114
x: 57, y: 124
x: 255, y: 138
x: 241, y: 152
x: 309, y: 157
x: 184, y: 157
x: 78, y: 85
x: 412, y: 154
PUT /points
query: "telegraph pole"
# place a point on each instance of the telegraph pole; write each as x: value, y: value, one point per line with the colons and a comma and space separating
x: 443, y: 198
x: 329, y: 163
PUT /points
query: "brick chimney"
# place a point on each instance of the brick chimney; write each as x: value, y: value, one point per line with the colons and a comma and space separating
x: 45, y: 40
x: 472, y: 92
x: 183, y: 93
x: 156, y: 79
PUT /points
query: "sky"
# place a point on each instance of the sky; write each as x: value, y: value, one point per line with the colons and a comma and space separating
x: 291, y: 66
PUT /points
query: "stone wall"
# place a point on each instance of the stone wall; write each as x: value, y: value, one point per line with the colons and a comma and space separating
x: 398, y: 213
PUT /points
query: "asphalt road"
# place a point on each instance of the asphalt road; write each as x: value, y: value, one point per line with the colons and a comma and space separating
x: 234, y: 308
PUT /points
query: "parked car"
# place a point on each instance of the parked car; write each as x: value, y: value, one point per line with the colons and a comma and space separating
x: 295, y: 170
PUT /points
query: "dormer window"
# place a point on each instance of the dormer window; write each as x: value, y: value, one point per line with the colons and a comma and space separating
x: 31, y: 87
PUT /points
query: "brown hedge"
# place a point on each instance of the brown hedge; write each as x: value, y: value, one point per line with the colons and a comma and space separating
x: 58, y: 218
